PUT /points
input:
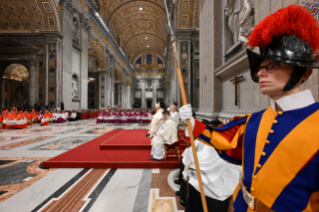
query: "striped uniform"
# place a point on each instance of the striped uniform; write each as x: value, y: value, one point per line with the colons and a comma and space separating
x: 279, y: 152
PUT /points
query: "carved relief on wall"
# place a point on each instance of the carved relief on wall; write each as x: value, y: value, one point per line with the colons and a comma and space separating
x: 75, y: 87
x: 129, y: 81
x: 196, y: 15
x: 240, y: 18
x: 188, y: 14
x: 76, y: 31
x: 184, y: 64
x: 52, y: 73
x: 96, y: 50
x: 28, y: 16
x: 118, y: 73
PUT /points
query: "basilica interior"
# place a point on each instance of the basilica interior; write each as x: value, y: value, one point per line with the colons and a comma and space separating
x: 91, y: 55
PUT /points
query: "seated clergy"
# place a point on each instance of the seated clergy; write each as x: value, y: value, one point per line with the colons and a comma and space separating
x: 46, y: 118
x: 73, y: 116
x: 28, y: 116
x: 55, y: 116
x: 64, y: 116
x: 39, y: 116
x: 174, y: 114
x: 167, y: 134
x: 100, y: 118
x: 21, y: 121
x: 157, y: 119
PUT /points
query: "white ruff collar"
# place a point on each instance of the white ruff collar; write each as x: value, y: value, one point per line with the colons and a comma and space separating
x: 294, y: 101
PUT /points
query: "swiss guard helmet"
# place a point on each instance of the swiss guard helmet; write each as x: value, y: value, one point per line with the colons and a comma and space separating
x: 290, y: 36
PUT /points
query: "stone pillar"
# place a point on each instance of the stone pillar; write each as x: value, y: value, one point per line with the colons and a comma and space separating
x: 33, y: 82
x: 112, y: 84
x: 154, y: 93
x: 211, y: 57
x: 143, y: 86
x: 102, y: 89
x: 123, y: 89
x: 85, y: 30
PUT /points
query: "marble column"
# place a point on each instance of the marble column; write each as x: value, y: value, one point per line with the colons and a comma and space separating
x: 33, y: 82
x: 85, y: 29
x: 123, y: 89
x: 102, y: 89
x: 143, y: 86
x: 211, y: 57
x: 154, y: 93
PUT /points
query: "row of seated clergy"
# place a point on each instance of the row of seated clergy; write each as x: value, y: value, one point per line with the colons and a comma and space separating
x: 167, y: 134
x: 123, y: 117
x: 15, y: 119
x: 74, y: 116
x: 219, y: 179
x: 58, y: 117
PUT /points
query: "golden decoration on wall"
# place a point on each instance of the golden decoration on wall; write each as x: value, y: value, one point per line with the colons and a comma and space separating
x: 118, y: 73
x: 96, y: 51
x: 188, y: 14
x: 19, y: 73
x: 28, y: 16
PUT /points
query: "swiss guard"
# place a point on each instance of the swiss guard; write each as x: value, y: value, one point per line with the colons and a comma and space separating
x: 278, y: 147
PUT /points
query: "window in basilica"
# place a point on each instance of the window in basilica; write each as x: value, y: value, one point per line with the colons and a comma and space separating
x: 149, y: 59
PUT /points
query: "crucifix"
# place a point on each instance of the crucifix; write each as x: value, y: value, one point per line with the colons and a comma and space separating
x: 236, y: 80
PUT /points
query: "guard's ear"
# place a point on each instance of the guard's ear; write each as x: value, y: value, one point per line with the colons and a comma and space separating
x: 306, y: 75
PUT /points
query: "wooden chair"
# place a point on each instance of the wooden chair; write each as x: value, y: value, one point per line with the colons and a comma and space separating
x: 31, y: 122
x: 172, y: 151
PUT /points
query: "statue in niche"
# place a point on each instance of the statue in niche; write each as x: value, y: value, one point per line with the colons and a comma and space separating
x: 75, y: 90
x: 246, y: 24
x: 233, y: 8
x: 21, y: 95
x: 76, y: 29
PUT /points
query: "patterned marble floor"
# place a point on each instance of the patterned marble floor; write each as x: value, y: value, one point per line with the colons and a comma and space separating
x: 26, y: 187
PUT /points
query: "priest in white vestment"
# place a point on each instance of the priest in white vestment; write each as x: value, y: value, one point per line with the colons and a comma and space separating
x: 174, y: 114
x: 157, y: 120
x: 167, y: 134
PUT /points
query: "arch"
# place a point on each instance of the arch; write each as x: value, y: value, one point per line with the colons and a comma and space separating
x: 133, y: 21
x: 153, y: 66
x: 17, y: 72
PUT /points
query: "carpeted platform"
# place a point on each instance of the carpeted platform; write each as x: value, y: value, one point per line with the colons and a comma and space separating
x: 89, y: 155
x: 130, y: 139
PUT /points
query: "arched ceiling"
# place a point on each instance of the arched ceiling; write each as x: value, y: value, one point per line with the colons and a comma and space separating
x: 140, y: 25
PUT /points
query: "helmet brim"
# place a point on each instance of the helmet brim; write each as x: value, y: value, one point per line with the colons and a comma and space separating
x: 256, y: 59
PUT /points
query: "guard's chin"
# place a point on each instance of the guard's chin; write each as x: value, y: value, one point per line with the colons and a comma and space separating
x: 269, y: 92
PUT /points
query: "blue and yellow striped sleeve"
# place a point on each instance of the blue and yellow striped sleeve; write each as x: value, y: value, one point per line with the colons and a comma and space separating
x: 227, y: 139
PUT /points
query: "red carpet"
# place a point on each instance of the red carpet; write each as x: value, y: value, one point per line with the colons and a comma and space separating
x: 89, y: 154
x: 130, y: 139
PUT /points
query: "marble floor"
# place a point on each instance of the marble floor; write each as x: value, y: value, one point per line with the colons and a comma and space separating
x: 25, y: 186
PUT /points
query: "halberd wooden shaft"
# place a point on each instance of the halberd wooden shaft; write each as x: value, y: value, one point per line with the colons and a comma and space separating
x: 189, y: 125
